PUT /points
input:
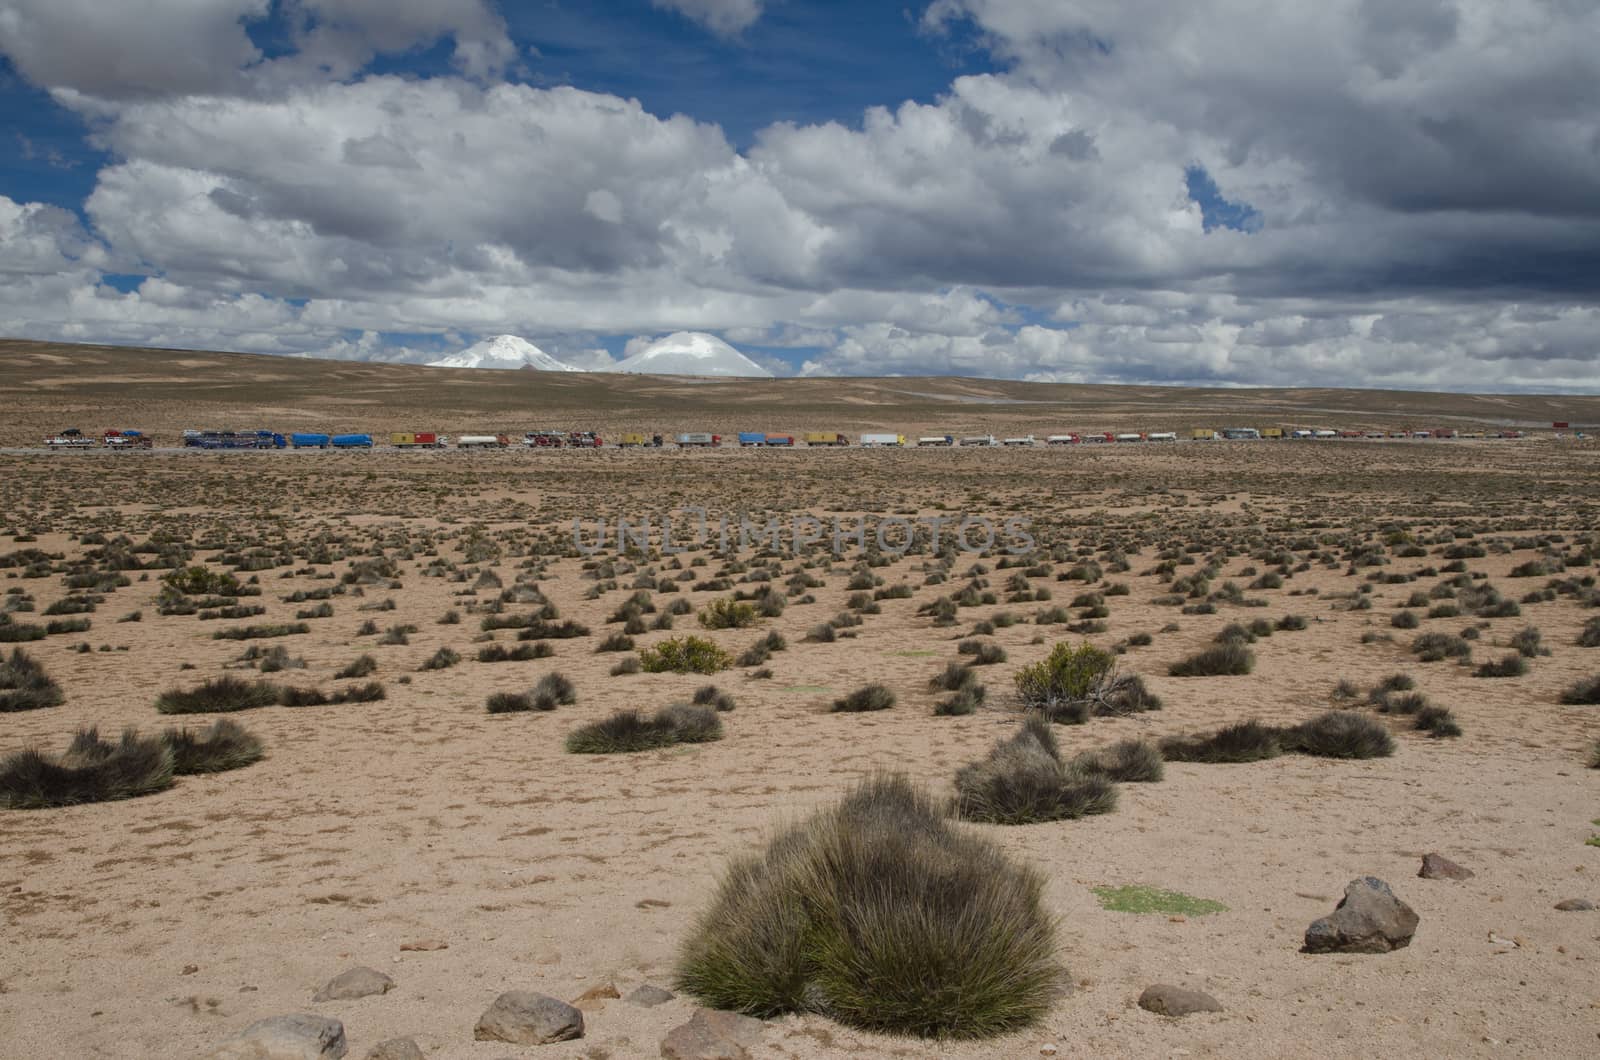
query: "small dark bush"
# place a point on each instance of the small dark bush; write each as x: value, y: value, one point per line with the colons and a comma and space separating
x: 1437, y: 722
x: 1339, y: 734
x: 361, y: 667
x: 629, y: 665
x: 983, y: 652
x: 1248, y: 741
x: 91, y: 770
x: 616, y: 642
x: 12, y: 632
x: 218, y: 696
x: 1589, y: 637
x: 554, y: 690
x: 510, y: 703
x: 629, y: 731
x: 282, y: 629
x: 1405, y: 620
x: 25, y: 686
x: 523, y: 652
x: 1512, y: 665
x: 1584, y: 692
x: 1229, y: 658
x: 1126, y: 761
x: 954, y: 676
x: 442, y: 659
x: 881, y: 914
x: 714, y: 697
x: 1432, y: 647
x: 865, y: 698
x: 966, y: 700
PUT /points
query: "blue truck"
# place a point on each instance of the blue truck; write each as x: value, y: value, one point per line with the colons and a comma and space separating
x: 308, y: 441
x: 352, y: 441
x: 749, y: 438
x: 234, y: 440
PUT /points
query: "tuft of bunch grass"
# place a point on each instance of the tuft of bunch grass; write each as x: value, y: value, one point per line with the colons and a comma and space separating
x: 363, y: 666
x: 1584, y: 692
x: 1433, y: 647
x: 629, y: 731
x: 983, y: 652
x: 91, y: 770
x: 226, y: 745
x: 523, y: 652
x: 219, y: 695
x: 1437, y: 722
x: 1589, y: 636
x: 1339, y: 734
x: 1126, y: 761
x: 966, y: 700
x: 954, y: 676
x: 1248, y: 741
x: 554, y: 690
x: 713, y: 697
x: 442, y: 659
x: 880, y: 914
x: 866, y: 698
x: 371, y: 692
x: 1024, y: 781
x: 1229, y: 658
x: 1512, y: 665
x: 25, y: 686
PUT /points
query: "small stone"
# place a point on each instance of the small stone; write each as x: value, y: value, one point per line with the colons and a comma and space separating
x: 1575, y: 905
x: 301, y: 1036
x: 712, y: 1035
x: 1048, y: 1050
x: 189, y: 969
x: 1439, y: 867
x: 523, y: 1017
x: 395, y: 1049
x: 357, y: 982
x: 594, y: 999
x: 424, y: 946
x: 1166, y: 1000
x: 1369, y: 919
x: 649, y: 996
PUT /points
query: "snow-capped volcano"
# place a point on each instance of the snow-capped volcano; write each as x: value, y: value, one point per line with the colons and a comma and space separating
x: 691, y: 353
x: 503, y: 351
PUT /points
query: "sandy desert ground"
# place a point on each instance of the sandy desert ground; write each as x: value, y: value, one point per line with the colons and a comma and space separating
x: 160, y: 925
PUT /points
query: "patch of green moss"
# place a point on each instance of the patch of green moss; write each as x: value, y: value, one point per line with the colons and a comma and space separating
x: 1137, y: 898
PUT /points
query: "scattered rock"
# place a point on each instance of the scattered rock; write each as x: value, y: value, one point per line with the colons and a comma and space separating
x: 396, y: 1049
x: 1575, y: 905
x: 1369, y: 919
x: 1166, y: 1000
x: 1439, y: 867
x: 649, y: 996
x: 525, y: 1018
x: 712, y: 1035
x: 189, y: 969
x: 424, y: 946
x: 301, y: 1036
x: 357, y: 982
x: 594, y: 999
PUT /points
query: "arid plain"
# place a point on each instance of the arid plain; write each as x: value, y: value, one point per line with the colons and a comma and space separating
x: 160, y: 925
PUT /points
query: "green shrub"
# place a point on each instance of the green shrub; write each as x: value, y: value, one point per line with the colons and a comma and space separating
x: 727, y: 613
x: 1228, y: 658
x: 219, y: 695
x: 882, y: 915
x: 1339, y: 734
x: 866, y: 698
x: 685, y: 655
x: 1248, y: 741
x: 1070, y: 674
x: 282, y: 629
x: 25, y: 686
x: 199, y: 581
x: 226, y: 745
x: 91, y: 770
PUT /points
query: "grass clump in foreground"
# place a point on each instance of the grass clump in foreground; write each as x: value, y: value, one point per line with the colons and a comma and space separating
x: 1136, y: 898
x: 1024, y: 781
x: 1229, y: 658
x: 1075, y: 683
x: 226, y: 745
x: 685, y: 655
x: 865, y: 698
x: 24, y: 685
x: 881, y: 914
x: 1582, y: 693
x: 629, y: 730
x: 91, y: 770
x: 1339, y: 734
x: 1248, y: 741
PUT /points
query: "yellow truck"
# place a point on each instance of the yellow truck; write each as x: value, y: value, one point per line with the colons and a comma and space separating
x: 825, y: 438
x: 1203, y: 434
x: 628, y: 441
x: 1272, y: 432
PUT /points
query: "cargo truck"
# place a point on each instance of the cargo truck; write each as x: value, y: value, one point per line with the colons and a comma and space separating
x: 1024, y: 441
x: 71, y: 438
x: 979, y: 439
x: 417, y: 440
x: 779, y: 440
x: 633, y: 441
x: 584, y: 440
x: 234, y: 440
x: 888, y: 440
x: 936, y: 440
x: 482, y: 441
x: 302, y: 440
x: 1163, y: 436
x: 699, y: 440
x: 1275, y: 433
x: 825, y: 438
x: 748, y: 439
x: 125, y: 440
x: 352, y: 441
x: 1203, y: 434
x: 1062, y: 439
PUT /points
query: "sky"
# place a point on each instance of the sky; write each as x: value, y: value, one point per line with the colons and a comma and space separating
x: 1353, y: 193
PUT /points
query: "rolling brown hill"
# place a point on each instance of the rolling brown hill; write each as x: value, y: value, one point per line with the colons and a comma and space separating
x: 47, y: 386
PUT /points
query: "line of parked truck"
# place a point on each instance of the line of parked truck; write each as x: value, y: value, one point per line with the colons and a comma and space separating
x: 73, y: 438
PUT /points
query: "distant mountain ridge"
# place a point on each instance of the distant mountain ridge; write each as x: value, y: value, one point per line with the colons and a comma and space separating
x: 691, y: 353
x: 504, y: 352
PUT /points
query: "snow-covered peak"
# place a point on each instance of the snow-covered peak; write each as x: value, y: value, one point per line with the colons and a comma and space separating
x: 691, y: 353
x: 503, y: 351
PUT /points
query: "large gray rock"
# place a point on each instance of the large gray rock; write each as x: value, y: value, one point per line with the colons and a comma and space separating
x: 1439, y: 867
x: 357, y: 982
x: 525, y: 1018
x: 1369, y: 919
x: 301, y: 1036
x: 396, y: 1049
x: 1166, y: 1000
x: 712, y: 1035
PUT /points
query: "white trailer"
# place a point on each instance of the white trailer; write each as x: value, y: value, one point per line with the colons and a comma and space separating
x: 1061, y: 439
x: 482, y: 441
x: 1025, y: 441
x: 697, y: 439
x: 887, y: 440
x: 931, y: 440
x: 980, y: 439
x: 1163, y: 436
